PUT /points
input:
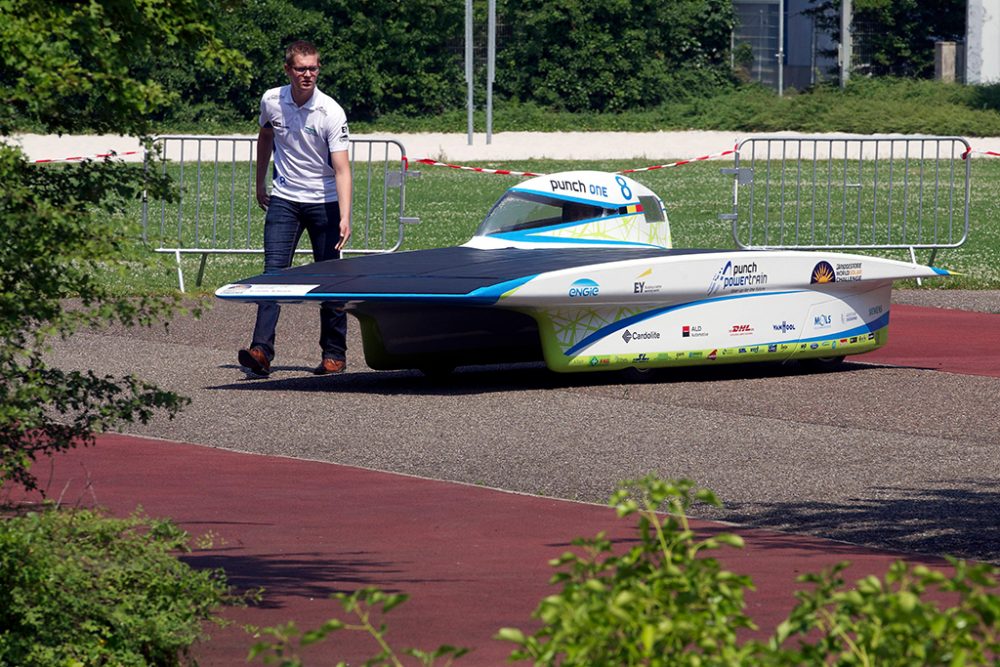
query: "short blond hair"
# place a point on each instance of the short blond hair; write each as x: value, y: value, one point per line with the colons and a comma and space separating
x: 300, y: 48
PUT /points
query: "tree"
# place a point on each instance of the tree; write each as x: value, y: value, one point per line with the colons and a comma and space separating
x: 615, y: 55
x: 71, y: 66
x: 378, y: 56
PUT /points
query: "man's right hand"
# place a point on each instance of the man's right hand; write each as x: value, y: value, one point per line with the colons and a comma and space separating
x: 263, y: 198
x: 265, y: 146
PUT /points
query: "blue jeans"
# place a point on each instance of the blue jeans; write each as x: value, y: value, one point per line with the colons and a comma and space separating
x: 283, y: 226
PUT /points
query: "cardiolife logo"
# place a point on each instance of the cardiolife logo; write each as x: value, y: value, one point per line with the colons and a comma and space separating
x: 585, y: 287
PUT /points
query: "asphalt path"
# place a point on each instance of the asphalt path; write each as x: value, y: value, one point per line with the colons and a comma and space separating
x: 897, y: 457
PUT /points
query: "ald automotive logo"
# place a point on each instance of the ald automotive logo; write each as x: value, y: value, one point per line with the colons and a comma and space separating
x: 584, y: 287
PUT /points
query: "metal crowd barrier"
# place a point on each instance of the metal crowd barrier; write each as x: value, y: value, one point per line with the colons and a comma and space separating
x: 214, y: 210
x: 851, y: 193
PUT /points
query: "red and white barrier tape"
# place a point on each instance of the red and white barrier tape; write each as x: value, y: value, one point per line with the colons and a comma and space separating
x: 990, y: 153
x: 87, y: 157
x: 508, y: 172
x: 481, y: 170
x: 680, y: 162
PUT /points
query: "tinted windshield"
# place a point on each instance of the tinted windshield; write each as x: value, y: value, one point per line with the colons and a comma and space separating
x: 522, y: 210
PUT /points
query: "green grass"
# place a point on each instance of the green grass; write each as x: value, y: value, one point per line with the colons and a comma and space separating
x: 451, y: 204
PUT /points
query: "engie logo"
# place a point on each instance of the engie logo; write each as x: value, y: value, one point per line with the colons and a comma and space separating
x: 584, y: 287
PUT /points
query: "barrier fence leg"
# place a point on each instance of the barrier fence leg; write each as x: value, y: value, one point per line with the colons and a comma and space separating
x: 913, y: 258
x: 201, y: 269
x: 180, y: 270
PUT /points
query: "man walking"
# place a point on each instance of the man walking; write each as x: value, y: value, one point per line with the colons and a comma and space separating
x: 306, y: 131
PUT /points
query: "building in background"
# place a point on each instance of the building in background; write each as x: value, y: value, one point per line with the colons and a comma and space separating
x: 982, y: 38
x: 810, y: 50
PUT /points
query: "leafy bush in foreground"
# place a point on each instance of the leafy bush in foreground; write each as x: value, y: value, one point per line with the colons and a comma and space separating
x: 79, y: 588
x: 360, y: 606
x: 661, y: 602
x: 665, y: 602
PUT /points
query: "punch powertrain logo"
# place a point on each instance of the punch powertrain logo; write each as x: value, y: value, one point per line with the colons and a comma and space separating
x: 823, y: 273
x: 736, y: 278
x: 640, y: 335
x: 585, y: 287
x: 784, y: 327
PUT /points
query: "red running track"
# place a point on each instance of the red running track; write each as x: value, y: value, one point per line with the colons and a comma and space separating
x: 955, y: 341
x: 472, y: 559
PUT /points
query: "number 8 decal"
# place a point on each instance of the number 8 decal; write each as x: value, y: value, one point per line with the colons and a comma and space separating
x: 626, y: 190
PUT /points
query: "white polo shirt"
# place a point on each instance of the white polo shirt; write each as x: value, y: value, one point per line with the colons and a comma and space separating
x: 304, y: 137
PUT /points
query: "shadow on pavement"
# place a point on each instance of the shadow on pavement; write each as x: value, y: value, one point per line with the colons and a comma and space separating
x: 963, y: 521
x: 490, y: 379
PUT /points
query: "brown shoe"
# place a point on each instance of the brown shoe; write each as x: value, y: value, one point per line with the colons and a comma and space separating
x: 255, y: 360
x: 330, y: 366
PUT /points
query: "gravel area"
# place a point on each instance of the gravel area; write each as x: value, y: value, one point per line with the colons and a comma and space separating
x: 896, y: 458
x: 985, y: 301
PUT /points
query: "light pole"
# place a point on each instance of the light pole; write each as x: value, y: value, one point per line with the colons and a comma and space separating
x: 845, y: 42
x: 781, y: 48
